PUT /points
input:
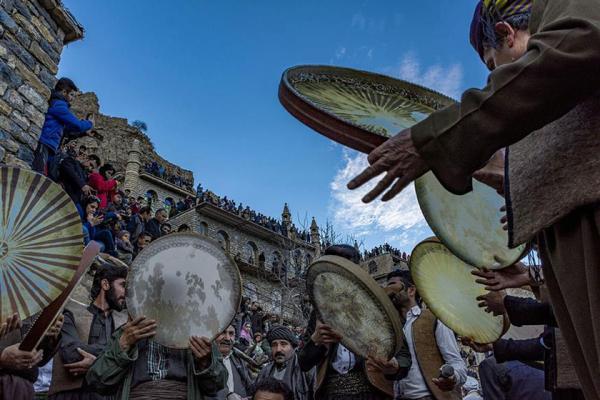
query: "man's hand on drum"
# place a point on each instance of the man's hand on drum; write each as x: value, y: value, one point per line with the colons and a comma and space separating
x: 54, y: 331
x: 325, y: 335
x: 401, y: 161
x: 13, y: 358
x: 493, y: 302
x: 514, y: 276
x: 445, y: 384
x: 387, y: 367
x: 477, y: 347
x: 136, y: 330
x: 493, y: 172
x: 202, y: 350
x: 81, y: 367
x: 13, y: 322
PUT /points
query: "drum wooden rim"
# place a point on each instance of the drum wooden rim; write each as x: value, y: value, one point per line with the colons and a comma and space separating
x: 46, y: 318
x: 348, y: 269
x: 333, y: 127
x: 237, y: 278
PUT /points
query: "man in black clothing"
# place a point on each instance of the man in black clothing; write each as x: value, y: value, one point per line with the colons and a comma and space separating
x: 153, y: 226
x: 85, y: 333
x: 137, y: 223
x: 74, y: 171
x: 142, y: 241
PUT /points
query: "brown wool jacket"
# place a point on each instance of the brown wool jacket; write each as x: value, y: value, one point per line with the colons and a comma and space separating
x: 543, y: 107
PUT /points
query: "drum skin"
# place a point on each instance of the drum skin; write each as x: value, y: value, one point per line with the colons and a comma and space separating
x: 348, y: 299
x: 186, y: 282
x: 449, y: 289
x: 41, y: 242
x: 46, y: 318
x: 469, y: 225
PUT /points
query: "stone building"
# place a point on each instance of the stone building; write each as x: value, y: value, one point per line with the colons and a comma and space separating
x: 32, y: 36
x: 378, y: 266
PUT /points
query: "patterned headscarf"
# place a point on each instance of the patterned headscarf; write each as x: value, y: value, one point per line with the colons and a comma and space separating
x: 488, y: 13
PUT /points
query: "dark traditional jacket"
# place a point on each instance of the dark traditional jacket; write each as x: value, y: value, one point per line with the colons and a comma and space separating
x: 85, y: 327
x: 113, y: 372
x: 545, y: 107
x: 242, y: 382
x: 23, y: 378
x: 302, y: 383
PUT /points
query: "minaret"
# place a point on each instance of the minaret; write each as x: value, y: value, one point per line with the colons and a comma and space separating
x: 315, y: 237
x: 132, y: 170
x: 286, y: 220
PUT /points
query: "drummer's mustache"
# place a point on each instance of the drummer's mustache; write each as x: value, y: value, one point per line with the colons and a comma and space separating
x: 279, y: 354
x: 226, y: 342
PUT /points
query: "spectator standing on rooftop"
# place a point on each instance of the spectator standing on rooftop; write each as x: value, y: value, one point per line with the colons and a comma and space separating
x: 59, y: 121
x: 103, y: 183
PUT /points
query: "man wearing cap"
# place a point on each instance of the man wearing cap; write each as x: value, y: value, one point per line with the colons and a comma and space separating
x: 542, y: 102
x: 285, y: 367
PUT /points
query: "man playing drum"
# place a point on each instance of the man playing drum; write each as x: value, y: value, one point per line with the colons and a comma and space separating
x: 431, y: 343
x: 341, y: 373
x: 542, y: 101
x: 136, y: 367
x: 86, y: 332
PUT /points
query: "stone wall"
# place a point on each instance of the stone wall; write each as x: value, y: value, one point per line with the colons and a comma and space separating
x: 378, y: 267
x: 32, y: 36
x: 117, y: 138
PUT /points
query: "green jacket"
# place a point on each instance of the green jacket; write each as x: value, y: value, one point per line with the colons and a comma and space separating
x: 112, y: 372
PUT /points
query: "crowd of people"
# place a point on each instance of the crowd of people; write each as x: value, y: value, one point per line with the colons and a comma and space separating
x: 204, y: 195
x: 155, y: 168
x: 99, y: 353
x: 385, y: 248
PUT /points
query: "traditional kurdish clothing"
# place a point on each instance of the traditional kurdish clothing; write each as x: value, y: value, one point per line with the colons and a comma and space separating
x: 137, y: 373
x: 342, y: 374
x: 432, y: 344
x: 89, y: 329
x: 301, y: 383
x: 238, y: 378
x: 545, y: 107
x: 18, y: 384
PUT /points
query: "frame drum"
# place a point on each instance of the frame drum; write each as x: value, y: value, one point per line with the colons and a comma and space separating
x: 362, y: 110
x: 41, y: 241
x: 348, y: 299
x: 186, y: 282
x: 449, y: 289
x: 49, y: 314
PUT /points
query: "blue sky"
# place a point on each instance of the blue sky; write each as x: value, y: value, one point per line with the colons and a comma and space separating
x: 204, y: 75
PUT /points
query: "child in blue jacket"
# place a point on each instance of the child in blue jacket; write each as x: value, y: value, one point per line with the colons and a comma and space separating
x: 59, y: 121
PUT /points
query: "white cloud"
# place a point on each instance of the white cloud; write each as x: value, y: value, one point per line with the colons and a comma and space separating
x: 340, y: 52
x: 352, y: 215
x: 444, y: 79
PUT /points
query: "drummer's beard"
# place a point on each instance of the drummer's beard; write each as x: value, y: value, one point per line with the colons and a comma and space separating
x: 114, y: 303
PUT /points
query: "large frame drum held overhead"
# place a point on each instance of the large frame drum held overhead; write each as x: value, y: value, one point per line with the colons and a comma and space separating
x: 362, y: 110
x: 348, y: 299
x: 49, y: 314
x: 188, y: 283
x: 41, y: 242
x: 355, y: 108
x: 449, y: 289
